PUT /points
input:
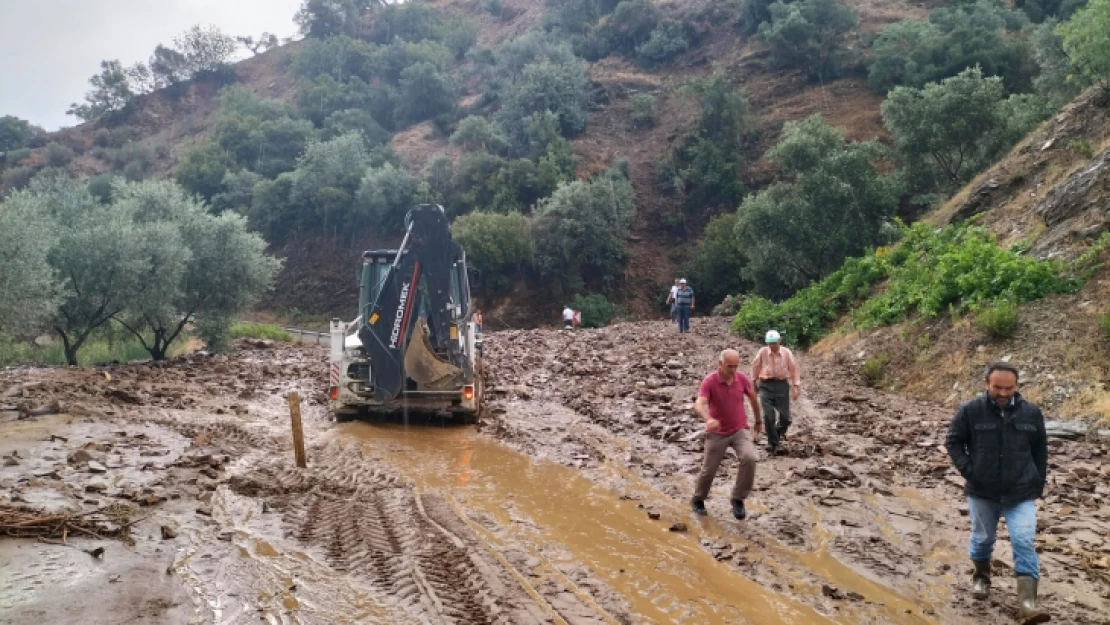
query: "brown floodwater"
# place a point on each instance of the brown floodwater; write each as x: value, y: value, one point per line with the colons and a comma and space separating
x: 665, y: 577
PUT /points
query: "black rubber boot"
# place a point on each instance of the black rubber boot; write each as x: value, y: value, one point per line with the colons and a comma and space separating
x: 738, y: 510
x: 1028, y: 610
x: 698, y: 506
x: 981, y: 579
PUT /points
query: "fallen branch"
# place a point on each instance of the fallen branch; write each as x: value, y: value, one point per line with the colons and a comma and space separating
x: 102, y: 524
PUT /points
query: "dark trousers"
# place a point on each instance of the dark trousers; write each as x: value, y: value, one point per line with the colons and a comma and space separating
x: 683, y: 318
x: 775, y: 395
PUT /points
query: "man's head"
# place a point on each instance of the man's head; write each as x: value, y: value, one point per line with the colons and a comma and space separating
x: 682, y: 283
x: 1001, y: 381
x: 676, y: 281
x: 773, y: 340
x: 728, y: 361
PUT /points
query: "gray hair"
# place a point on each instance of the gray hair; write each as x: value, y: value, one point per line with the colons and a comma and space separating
x: 725, y: 352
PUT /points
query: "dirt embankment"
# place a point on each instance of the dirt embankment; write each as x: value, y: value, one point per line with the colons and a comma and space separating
x: 187, y: 469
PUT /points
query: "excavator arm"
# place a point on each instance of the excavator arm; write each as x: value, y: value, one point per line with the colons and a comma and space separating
x: 416, y: 293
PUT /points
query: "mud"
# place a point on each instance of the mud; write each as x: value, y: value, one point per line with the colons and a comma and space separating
x: 557, y: 509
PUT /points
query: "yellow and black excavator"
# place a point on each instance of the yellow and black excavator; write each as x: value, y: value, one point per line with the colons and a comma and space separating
x: 414, y: 345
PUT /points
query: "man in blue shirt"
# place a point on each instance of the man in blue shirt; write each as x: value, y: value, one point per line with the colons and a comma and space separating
x: 684, y: 304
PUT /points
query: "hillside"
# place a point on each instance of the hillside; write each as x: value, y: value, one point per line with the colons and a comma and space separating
x: 317, y: 276
x: 1050, y: 195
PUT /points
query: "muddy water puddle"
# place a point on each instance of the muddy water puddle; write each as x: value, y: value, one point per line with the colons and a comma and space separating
x: 665, y: 577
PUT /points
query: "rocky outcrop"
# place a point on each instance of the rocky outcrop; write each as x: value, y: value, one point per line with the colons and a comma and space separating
x: 1086, y: 191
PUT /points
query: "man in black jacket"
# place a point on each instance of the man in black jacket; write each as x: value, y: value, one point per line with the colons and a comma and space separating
x: 998, y: 443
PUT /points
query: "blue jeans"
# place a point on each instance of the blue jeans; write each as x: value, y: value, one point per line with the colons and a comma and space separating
x: 1021, y: 519
x: 683, y: 318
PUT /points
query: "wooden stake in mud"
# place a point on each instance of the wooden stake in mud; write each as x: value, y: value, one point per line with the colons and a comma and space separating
x: 298, y: 431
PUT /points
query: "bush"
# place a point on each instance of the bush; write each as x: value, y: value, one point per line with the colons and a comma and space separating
x: 999, y: 320
x: 386, y: 195
x: 202, y: 170
x: 58, y: 155
x: 643, y: 111
x: 1104, y: 325
x: 101, y: 187
x: 17, y: 177
x: 597, y: 311
x: 666, y: 42
x: 15, y: 157
x: 251, y: 330
x: 809, y: 35
x: 425, y: 93
x: 560, y: 88
x: 874, y: 369
x: 499, y: 245
x: 215, y: 331
x: 1082, y: 147
x: 1085, y: 39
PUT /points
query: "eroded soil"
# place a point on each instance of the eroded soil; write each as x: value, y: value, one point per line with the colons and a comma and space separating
x: 558, y: 509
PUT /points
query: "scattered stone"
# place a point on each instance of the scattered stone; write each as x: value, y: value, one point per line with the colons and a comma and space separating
x: 96, y: 487
x: 654, y: 516
x: 96, y: 467
x: 81, y: 456
x: 10, y: 462
x: 204, y: 511
x: 678, y: 527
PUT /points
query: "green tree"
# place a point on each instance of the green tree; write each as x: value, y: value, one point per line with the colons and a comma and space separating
x: 580, y: 232
x: 327, y: 177
x: 980, y: 33
x: 667, y: 41
x: 498, y: 244
x: 832, y: 205
x: 597, y: 311
x: 1059, y: 80
x: 219, y: 269
x: 707, y: 164
x: 478, y: 133
x: 29, y: 286
x: 559, y: 88
x: 425, y: 93
x: 203, y: 168
x: 644, y: 111
x: 386, y: 194
x: 16, y: 133
x: 356, y: 120
x: 111, y: 92
x: 319, y: 19
x: 950, y: 130
x: 341, y: 57
x: 809, y: 35
x: 717, y: 264
x: 1087, y: 41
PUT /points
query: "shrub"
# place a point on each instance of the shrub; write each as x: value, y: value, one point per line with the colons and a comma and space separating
x: 667, y: 41
x: 1104, y: 325
x: 1085, y: 39
x: 560, y: 88
x: 499, y: 245
x: 597, y: 311
x: 58, y: 155
x: 17, y: 177
x: 425, y: 93
x: 15, y: 157
x: 874, y: 369
x: 643, y: 111
x: 215, y: 331
x: 251, y: 330
x: 1082, y: 147
x: 999, y: 320
x: 809, y: 35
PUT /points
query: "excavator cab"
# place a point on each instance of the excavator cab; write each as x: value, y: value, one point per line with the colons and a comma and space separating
x: 416, y: 345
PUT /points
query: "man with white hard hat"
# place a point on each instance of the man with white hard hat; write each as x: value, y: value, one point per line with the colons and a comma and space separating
x: 684, y: 303
x: 776, y: 376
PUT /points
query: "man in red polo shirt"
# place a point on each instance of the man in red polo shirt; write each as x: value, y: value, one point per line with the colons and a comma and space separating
x: 721, y: 404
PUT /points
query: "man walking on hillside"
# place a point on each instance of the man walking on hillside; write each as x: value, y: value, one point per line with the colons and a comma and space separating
x: 568, y: 318
x: 721, y: 404
x: 998, y: 443
x: 776, y: 375
x: 684, y: 303
x: 671, y: 299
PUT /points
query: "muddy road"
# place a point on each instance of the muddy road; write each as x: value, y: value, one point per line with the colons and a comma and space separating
x: 568, y: 504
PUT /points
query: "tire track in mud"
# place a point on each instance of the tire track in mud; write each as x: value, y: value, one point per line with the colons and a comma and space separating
x: 371, y: 524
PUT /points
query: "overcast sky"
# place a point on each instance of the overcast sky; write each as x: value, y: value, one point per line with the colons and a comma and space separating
x: 50, y: 48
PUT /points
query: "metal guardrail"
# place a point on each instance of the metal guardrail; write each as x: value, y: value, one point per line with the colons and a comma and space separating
x: 310, y: 337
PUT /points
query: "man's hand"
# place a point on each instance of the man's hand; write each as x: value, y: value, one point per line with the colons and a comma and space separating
x: 757, y: 429
x: 712, y: 425
x: 796, y: 392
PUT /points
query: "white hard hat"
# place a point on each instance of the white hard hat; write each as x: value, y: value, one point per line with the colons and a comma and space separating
x: 772, y: 337
x: 682, y: 281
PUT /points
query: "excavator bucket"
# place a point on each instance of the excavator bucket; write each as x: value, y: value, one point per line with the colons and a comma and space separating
x: 421, y: 362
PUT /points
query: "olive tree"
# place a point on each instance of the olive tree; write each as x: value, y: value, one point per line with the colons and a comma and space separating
x: 29, y: 286
x: 498, y: 244
x: 1086, y: 39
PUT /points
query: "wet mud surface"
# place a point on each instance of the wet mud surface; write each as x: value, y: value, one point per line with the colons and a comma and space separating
x: 568, y: 504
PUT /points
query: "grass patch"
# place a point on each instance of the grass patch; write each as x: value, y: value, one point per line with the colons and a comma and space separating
x: 251, y: 330
x: 999, y: 321
x: 96, y: 351
x: 874, y: 369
